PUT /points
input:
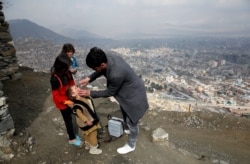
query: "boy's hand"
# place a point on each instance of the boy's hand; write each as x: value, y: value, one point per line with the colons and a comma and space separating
x: 89, y: 123
x: 69, y: 103
x: 73, y: 70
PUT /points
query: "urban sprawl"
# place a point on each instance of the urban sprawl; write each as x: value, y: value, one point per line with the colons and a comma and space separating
x: 191, y: 75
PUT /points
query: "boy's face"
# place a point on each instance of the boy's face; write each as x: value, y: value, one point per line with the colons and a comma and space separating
x: 74, y: 90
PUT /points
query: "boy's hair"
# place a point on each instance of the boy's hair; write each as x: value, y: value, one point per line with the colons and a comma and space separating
x: 68, y: 47
x: 69, y: 93
x: 95, y: 57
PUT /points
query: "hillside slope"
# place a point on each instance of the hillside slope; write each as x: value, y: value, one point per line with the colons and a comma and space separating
x: 194, y: 138
x: 23, y: 28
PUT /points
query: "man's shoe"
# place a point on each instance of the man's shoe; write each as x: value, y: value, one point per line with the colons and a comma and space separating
x: 127, y: 131
x: 125, y: 149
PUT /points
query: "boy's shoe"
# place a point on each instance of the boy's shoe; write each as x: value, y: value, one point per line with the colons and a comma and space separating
x: 127, y: 131
x: 87, y: 145
x: 125, y: 149
x: 76, y: 142
x: 95, y: 150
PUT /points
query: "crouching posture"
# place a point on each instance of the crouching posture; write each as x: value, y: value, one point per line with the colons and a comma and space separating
x: 86, y: 119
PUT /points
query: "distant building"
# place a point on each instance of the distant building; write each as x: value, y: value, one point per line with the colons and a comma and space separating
x: 158, y: 70
x: 169, y: 79
x: 238, y: 82
x: 222, y: 62
x: 213, y: 63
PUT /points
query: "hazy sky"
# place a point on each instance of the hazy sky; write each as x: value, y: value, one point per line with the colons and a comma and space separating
x: 113, y: 17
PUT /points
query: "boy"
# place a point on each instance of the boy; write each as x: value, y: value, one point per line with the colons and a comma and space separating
x: 86, y: 119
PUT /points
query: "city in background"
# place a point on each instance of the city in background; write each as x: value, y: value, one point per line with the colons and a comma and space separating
x: 180, y: 74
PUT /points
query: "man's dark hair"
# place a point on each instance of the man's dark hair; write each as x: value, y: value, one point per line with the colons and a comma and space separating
x: 95, y: 57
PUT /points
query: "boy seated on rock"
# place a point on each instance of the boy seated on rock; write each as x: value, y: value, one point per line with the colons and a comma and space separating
x: 86, y: 119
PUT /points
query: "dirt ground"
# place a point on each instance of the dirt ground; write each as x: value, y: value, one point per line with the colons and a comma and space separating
x: 194, y: 138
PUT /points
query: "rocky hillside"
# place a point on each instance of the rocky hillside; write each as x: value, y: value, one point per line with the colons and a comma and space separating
x: 8, y: 70
x: 40, y: 137
x: 32, y: 129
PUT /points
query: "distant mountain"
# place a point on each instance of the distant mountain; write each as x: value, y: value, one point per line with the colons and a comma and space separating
x: 87, y: 37
x: 23, y: 28
x: 79, y: 34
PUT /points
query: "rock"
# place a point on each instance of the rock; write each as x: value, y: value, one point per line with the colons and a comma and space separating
x: 159, y: 135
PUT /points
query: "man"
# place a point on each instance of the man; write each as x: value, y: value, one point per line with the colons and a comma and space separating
x: 122, y: 83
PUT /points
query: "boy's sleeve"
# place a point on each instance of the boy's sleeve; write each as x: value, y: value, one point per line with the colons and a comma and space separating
x: 81, y: 116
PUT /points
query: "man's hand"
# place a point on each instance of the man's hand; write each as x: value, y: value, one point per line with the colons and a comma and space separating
x: 84, y: 81
x: 84, y: 92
